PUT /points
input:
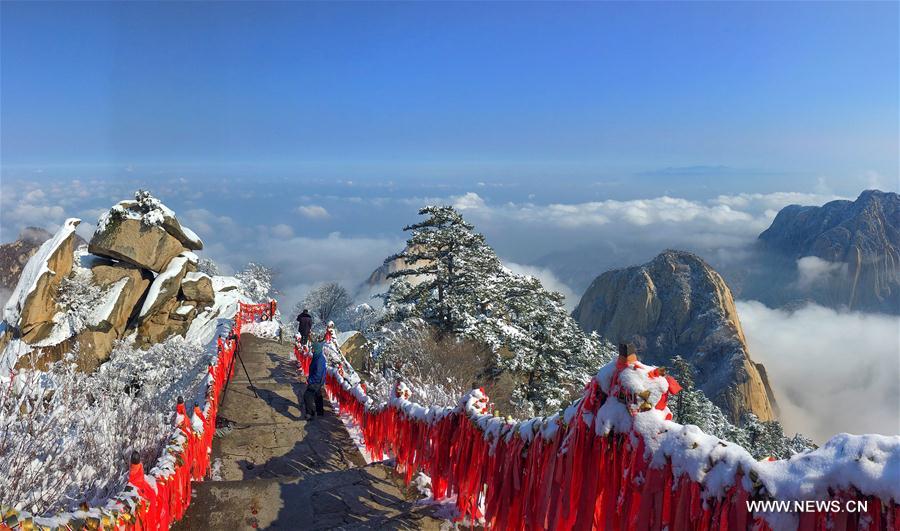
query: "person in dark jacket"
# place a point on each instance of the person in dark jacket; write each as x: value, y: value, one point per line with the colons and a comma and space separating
x: 313, y: 403
x: 304, y: 325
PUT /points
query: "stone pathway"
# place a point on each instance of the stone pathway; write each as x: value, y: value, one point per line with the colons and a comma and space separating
x: 280, y: 472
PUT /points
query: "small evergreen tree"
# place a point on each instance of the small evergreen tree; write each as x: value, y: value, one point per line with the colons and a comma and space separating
x: 762, y: 439
x: 454, y: 281
x: 683, y: 372
x: 448, y: 259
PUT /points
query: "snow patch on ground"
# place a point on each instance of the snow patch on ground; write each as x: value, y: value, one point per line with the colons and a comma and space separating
x: 264, y: 329
x: 225, y: 283
x: 355, y: 432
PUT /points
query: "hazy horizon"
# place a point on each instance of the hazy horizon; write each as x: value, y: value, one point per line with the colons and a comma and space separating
x: 577, y: 137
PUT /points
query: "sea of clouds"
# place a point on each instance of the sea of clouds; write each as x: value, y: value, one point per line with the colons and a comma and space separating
x: 823, y: 363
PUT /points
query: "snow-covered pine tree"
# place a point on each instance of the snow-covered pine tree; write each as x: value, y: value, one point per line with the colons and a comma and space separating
x: 554, y: 357
x: 460, y: 286
x: 762, y: 439
x: 449, y: 262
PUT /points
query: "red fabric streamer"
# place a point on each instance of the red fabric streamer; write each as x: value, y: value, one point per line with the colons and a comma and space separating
x: 572, y: 479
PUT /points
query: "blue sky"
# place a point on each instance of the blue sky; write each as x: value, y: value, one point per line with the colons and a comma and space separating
x: 455, y: 92
x: 552, y: 123
x: 578, y: 137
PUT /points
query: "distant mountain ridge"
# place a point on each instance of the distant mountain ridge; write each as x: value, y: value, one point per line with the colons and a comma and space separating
x: 676, y: 304
x: 857, y: 242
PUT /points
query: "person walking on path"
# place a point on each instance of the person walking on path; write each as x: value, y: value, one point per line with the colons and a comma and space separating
x: 304, y: 325
x: 313, y: 403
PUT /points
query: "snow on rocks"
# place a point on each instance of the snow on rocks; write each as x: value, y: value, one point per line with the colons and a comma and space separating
x: 225, y: 283
x: 196, y: 286
x: 30, y: 307
x: 164, y: 286
x: 204, y: 326
x: 131, y: 240
x: 143, y: 232
x: 68, y: 299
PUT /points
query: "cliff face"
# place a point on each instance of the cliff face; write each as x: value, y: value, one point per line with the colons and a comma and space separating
x: 677, y: 304
x: 14, y: 255
x: 379, y: 277
x: 858, y: 243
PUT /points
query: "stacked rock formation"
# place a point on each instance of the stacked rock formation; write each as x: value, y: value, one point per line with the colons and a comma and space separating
x: 137, y: 276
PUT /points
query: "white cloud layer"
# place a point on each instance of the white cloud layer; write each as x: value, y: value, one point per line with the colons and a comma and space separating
x: 832, y: 371
x: 813, y: 271
x: 548, y: 280
x: 742, y: 213
x: 313, y: 212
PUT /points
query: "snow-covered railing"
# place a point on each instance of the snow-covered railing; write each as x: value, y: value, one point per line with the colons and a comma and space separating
x: 613, y: 460
x: 155, y: 500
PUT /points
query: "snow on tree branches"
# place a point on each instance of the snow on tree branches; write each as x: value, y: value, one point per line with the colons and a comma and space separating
x: 256, y: 281
x: 327, y: 302
x: 66, y: 435
x: 454, y: 281
x: 762, y: 439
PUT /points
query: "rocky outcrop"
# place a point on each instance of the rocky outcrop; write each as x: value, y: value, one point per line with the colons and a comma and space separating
x: 127, y: 285
x: 678, y: 305
x: 32, y: 307
x: 164, y: 287
x: 67, y: 300
x: 161, y: 324
x: 143, y: 232
x: 14, y: 255
x: 197, y: 287
x: 844, y: 253
x: 130, y: 240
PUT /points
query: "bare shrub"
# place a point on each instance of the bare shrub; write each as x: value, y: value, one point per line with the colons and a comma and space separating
x: 65, y: 435
x: 438, y: 367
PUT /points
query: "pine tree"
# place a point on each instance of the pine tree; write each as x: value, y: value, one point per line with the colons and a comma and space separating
x: 555, y: 356
x: 449, y: 259
x: 683, y: 372
x: 460, y: 286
